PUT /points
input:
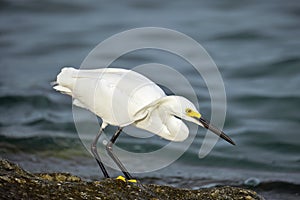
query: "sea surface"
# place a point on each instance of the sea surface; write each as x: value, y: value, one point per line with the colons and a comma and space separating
x: 255, y: 45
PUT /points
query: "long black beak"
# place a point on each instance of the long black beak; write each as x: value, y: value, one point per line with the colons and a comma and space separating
x: 215, y: 130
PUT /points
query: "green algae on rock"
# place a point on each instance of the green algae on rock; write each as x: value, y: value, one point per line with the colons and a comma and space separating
x: 16, y: 183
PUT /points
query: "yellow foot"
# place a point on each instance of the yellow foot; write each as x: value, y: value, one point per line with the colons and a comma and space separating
x: 124, y: 179
x: 132, y: 181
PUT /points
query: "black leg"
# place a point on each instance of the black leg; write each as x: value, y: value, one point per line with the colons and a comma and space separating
x: 109, y: 148
x: 96, y: 155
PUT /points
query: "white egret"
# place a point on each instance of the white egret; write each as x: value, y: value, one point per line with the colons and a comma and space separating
x: 123, y: 97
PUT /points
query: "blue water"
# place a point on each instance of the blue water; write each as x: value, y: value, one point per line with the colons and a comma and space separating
x: 256, y: 46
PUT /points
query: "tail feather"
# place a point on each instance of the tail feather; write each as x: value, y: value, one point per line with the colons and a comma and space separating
x: 63, y: 89
x: 65, y: 81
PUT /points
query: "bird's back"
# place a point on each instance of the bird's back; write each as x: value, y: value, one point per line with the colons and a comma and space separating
x: 113, y: 94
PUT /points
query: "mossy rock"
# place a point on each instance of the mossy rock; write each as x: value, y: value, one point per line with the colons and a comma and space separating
x: 16, y: 183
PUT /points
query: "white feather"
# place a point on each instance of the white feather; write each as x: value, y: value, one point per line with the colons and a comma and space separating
x: 122, y: 97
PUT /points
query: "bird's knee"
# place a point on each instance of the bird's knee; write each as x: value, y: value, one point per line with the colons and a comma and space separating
x: 109, y: 147
x: 93, y: 148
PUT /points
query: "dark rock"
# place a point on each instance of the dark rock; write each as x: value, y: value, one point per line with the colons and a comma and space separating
x: 16, y: 183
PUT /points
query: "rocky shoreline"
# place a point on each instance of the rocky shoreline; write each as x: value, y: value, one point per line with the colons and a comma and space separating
x: 16, y: 183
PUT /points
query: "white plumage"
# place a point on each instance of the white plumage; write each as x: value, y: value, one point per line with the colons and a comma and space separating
x: 123, y: 97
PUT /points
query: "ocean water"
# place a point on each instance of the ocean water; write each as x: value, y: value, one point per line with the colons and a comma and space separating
x: 256, y: 46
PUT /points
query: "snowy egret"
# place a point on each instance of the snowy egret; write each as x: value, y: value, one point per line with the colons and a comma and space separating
x: 104, y: 91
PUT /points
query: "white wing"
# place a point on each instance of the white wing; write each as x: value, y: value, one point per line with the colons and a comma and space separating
x: 113, y: 94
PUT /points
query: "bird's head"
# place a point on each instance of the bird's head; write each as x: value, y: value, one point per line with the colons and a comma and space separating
x: 182, y: 108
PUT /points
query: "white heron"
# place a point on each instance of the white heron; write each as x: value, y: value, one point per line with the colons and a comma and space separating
x: 123, y: 97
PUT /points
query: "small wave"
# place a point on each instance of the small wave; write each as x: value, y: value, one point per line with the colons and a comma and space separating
x: 46, y: 124
x: 48, y: 7
x: 287, y: 61
x: 242, y: 35
x: 38, y: 144
x: 274, y: 69
x: 267, y: 98
x: 36, y: 100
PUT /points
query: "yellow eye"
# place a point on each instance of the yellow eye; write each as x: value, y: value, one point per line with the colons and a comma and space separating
x: 191, y: 113
x: 188, y: 110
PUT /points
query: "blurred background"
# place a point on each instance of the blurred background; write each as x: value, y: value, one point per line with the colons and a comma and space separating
x: 256, y: 46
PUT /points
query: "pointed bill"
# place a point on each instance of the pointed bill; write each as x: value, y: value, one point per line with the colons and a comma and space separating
x: 206, y: 124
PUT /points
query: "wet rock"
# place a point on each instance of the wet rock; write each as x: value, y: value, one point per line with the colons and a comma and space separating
x: 252, y: 182
x: 62, y: 177
x: 16, y: 183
